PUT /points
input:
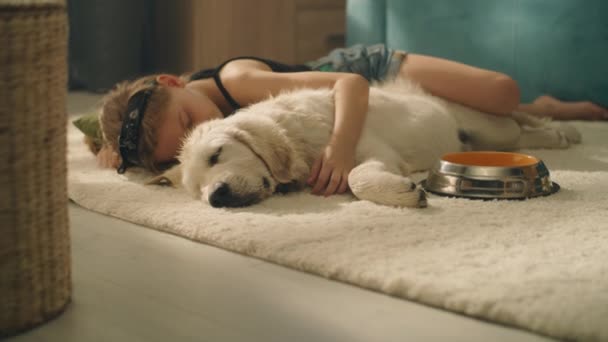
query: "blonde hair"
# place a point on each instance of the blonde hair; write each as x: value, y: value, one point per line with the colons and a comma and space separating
x: 114, y: 106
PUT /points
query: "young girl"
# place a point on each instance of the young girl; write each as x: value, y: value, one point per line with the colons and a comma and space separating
x: 144, y: 121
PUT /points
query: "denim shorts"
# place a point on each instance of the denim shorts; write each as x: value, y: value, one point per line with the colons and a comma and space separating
x: 375, y: 62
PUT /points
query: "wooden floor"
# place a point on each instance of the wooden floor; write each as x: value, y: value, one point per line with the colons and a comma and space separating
x: 134, y: 284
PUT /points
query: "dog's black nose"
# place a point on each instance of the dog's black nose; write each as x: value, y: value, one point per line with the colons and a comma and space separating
x: 221, y: 195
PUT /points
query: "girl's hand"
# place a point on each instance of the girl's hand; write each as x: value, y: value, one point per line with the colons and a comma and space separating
x: 329, y: 173
x: 107, y: 158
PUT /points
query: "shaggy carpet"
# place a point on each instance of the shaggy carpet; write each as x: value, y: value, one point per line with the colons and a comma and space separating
x: 539, y: 264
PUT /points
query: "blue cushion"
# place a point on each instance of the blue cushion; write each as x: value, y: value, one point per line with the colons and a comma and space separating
x: 549, y: 46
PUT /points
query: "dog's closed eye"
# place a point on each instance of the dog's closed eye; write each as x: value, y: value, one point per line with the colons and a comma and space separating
x: 215, y: 157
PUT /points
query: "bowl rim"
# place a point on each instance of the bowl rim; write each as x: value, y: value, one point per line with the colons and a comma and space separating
x: 490, y: 159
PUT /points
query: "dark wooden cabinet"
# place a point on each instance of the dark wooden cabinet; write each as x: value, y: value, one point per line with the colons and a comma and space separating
x: 194, y: 34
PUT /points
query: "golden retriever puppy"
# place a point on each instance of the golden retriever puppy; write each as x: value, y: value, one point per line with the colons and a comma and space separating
x: 270, y: 146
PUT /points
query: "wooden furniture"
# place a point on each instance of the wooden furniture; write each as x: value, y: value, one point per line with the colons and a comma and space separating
x: 195, y: 34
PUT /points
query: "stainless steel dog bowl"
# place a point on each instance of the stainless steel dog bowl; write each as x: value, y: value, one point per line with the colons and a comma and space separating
x: 490, y: 175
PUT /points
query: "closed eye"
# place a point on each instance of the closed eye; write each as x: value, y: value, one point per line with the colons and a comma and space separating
x: 189, y: 122
x: 183, y: 120
x: 214, y: 159
x: 186, y: 121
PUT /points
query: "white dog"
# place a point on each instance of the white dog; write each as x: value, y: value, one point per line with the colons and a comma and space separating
x: 270, y: 146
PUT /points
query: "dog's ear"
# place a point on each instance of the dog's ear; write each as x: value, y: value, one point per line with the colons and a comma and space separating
x: 268, y: 143
x: 171, y: 177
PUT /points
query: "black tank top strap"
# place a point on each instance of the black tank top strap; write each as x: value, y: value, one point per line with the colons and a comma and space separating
x: 215, y: 74
x: 216, y: 77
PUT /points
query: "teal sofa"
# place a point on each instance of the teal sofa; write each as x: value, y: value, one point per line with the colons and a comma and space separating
x: 557, y: 47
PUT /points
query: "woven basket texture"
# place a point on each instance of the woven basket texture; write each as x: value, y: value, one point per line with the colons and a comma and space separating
x: 35, y: 271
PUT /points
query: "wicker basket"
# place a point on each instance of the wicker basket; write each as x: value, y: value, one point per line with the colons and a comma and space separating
x: 35, y: 276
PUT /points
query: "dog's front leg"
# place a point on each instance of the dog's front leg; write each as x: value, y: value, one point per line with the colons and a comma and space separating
x: 372, y: 180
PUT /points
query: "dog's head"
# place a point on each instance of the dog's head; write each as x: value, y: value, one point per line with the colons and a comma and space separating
x: 234, y: 163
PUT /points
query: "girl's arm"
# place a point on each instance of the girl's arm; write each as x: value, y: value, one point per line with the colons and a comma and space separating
x: 331, y: 169
x: 329, y: 173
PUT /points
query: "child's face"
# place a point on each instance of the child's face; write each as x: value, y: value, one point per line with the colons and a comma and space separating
x: 186, y: 109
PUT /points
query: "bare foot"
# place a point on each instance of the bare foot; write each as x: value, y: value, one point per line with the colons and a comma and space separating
x: 560, y: 110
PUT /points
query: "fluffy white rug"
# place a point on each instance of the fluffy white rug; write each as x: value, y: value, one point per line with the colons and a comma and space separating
x: 539, y: 264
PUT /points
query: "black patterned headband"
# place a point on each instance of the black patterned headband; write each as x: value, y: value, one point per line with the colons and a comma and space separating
x: 128, y: 141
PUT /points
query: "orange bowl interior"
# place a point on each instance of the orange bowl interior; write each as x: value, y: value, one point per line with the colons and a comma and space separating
x: 505, y: 159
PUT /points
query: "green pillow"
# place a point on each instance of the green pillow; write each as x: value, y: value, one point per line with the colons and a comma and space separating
x: 89, y: 125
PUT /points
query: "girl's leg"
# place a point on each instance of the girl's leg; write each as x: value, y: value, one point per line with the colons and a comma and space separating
x: 484, y: 90
x: 551, y: 107
x: 489, y: 91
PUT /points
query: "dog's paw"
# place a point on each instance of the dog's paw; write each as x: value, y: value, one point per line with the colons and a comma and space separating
x: 563, y: 139
x: 399, y: 193
x: 415, y: 197
x: 569, y: 132
x: 422, y: 202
